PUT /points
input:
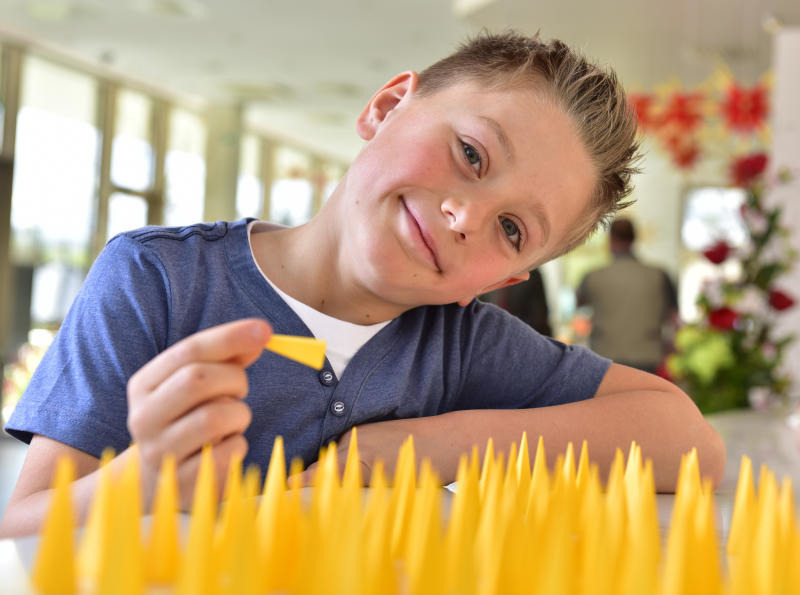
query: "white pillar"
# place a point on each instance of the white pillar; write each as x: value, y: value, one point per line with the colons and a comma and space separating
x: 786, y: 153
x: 222, y: 161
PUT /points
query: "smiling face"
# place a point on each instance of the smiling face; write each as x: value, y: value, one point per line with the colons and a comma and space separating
x: 459, y: 192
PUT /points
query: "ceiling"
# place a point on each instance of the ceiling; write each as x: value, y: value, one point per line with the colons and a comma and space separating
x: 304, y: 69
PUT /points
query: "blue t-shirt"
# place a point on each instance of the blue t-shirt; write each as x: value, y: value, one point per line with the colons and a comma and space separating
x: 152, y: 287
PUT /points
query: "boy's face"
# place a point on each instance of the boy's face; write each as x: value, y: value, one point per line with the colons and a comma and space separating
x: 460, y: 192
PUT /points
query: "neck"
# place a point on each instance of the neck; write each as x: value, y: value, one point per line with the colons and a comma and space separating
x: 305, y: 262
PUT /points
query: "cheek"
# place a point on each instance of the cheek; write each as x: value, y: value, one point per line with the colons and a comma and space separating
x: 416, y: 161
x: 483, y: 268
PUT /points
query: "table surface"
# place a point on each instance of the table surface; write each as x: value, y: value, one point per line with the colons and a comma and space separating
x: 767, y: 437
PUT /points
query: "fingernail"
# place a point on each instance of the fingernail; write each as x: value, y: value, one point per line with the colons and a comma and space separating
x: 259, y: 331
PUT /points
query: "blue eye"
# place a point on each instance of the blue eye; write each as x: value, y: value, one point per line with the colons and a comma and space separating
x: 473, y: 157
x: 512, y: 232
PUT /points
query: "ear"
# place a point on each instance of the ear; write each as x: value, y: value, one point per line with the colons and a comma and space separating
x: 384, y: 101
x: 512, y: 280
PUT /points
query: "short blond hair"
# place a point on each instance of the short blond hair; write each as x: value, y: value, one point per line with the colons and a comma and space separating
x: 591, y: 96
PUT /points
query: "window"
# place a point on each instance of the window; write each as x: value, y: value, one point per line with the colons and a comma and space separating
x: 52, y: 209
x: 249, y: 187
x: 132, y: 155
x: 332, y: 174
x: 2, y: 102
x: 125, y: 211
x: 710, y: 214
x: 185, y: 169
x: 292, y: 192
x: 55, y: 172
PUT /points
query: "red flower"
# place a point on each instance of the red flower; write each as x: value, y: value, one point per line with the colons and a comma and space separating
x: 683, y: 149
x: 643, y: 106
x: 723, y: 318
x: 683, y: 112
x: 780, y: 300
x: 662, y: 371
x: 718, y: 252
x: 745, y: 169
x: 745, y: 110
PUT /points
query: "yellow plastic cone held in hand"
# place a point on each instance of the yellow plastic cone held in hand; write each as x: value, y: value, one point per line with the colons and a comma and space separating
x: 306, y: 350
x: 54, y: 568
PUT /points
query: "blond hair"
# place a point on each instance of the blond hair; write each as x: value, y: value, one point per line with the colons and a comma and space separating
x: 591, y: 96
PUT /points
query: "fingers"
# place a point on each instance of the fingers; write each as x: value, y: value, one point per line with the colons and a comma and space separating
x: 212, y: 423
x: 190, y: 395
x: 189, y: 387
x: 240, y: 342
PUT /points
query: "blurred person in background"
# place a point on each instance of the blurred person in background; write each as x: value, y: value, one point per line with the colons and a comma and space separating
x: 633, y: 304
x: 527, y: 301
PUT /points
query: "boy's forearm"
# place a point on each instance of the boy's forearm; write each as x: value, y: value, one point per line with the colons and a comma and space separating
x: 654, y: 420
x: 25, y: 516
x: 666, y: 424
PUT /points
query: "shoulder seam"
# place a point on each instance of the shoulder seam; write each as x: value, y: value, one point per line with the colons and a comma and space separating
x: 162, y: 267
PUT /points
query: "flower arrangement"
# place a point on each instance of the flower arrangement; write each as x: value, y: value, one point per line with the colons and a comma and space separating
x: 732, y: 357
x: 691, y: 124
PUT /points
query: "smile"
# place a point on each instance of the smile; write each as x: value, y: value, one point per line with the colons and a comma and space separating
x: 420, y: 236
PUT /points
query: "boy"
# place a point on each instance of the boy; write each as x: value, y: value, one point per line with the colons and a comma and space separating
x: 489, y: 163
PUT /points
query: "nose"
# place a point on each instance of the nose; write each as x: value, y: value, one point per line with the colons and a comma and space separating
x: 465, y: 216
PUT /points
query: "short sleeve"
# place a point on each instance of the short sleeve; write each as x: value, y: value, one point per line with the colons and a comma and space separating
x: 511, y: 366
x: 117, y: 323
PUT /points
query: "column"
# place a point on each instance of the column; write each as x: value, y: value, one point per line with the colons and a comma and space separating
x: 786, y: 154
x: 222, y: 160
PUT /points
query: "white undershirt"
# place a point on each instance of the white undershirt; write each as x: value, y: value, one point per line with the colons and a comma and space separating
x: 343, y: 338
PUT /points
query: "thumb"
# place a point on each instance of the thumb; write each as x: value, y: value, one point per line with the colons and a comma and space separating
x: 252, y: 335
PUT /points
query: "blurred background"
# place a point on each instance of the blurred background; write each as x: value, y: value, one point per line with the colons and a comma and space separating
x: 120, y: 113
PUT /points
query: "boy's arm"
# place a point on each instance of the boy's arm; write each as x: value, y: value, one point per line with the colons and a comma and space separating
x: 31, y: 496
x: 189, y: 395
x: 628, y: 405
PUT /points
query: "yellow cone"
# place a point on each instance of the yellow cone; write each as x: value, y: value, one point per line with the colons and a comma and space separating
x: 306, y: 350
x: 54, y: 567
x: 162, y: 553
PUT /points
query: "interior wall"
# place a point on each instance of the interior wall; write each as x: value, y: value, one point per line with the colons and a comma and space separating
x: 786, y: 154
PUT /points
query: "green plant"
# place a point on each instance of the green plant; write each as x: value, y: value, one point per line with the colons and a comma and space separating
x: 733, y: 353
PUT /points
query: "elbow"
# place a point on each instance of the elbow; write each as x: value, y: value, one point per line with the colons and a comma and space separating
x: 696, y: 432
x: 711, y: 450
x: 712, y: 456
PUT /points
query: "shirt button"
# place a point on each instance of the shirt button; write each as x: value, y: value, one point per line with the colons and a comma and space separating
x: 337, y: 407
x: 327, y: 378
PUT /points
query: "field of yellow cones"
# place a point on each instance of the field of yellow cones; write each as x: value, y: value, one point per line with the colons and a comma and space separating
x: 512, y: 527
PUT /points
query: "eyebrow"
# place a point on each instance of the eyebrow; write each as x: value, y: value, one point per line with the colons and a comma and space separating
x: 501, y: 136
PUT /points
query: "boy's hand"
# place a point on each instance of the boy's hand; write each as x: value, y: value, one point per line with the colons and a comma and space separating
x: 191, y: 395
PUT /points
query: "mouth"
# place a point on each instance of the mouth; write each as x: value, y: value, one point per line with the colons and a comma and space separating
x: 421, y: 235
